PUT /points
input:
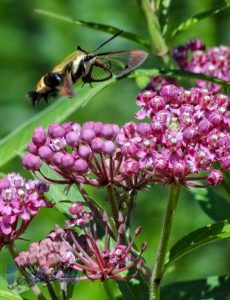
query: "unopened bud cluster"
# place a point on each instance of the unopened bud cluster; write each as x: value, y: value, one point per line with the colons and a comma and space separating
x: 86, y: 154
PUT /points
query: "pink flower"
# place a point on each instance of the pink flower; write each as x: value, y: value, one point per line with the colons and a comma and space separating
x: 20, y: 201
x: 213, y: 62
x: 186, y: 136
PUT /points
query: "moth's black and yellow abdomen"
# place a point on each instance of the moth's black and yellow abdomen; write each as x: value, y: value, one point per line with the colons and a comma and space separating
x: 46, y: 87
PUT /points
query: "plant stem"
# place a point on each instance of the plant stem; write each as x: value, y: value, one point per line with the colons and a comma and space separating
x: 131, y: 208
x: 108, y: 290
x: 158, y: 271
x: 157, y: 41
x: 35, y: 289
x: 51, y: 291
x: 94, y: 208
x: 113, y: 204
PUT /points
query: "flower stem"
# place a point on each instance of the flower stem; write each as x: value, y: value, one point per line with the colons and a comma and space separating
x: 158, y: 271
x: 157, y: 41
x: 35, y: 289
x: 131, y: 208
x: 113, y: 204
x: 52, y: 292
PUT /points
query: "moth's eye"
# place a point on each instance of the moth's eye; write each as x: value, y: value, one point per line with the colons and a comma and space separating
x: 52, y: 79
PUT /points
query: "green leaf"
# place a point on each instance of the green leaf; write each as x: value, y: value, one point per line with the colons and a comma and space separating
x: 58, y: 194
x: 97, y: 26
x: 212, y: 202
x: 16, y: 141
x: 126, y: 290
x: 210, y: 288
x: 187, y: 24
x: 197, y: 239
x: 134, y: 289
x: 8, y: 296
x: 177, y: 73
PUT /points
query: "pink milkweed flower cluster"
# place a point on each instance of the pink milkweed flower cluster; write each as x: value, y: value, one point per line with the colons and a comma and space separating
x: 20, y: 201
x: 214, y: 62
x: 65, y: 250
x: 188, y: 133
x: 87, y: 154
x: 43, y: 260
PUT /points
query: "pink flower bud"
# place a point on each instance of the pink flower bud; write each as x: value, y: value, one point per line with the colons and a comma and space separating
x: 72, y: 138
x: 108, y: 147
x: 96, y: 144
x: 56, y: 131
x: 31, y: 162
x: 84, y: 151
x: 87, y: 135
x: 81, y: 166
x: 57, y: 157
x: 67, y: 161
x: 32, y: 148
x: 215, y: 177
x: 39, y: 138
x: 45, y: 153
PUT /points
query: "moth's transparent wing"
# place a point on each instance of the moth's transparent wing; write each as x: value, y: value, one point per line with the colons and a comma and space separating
x: 122, y: 62
x: 100, y: 71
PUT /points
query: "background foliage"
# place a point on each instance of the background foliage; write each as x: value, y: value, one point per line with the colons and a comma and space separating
x: 30, y: 44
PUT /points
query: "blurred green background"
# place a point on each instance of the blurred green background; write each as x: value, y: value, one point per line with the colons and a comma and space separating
x: 30, y: 44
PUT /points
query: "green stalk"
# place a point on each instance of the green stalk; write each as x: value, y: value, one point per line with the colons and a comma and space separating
x: 158, y: 271
x: 35, y: 289
x: 113, y: 204
x: 158, y: 44
x: 131, y: 208
x: 52, y: 291
x: 109, y: 290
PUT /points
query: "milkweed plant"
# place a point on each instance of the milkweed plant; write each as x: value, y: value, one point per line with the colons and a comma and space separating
x: 180, y: 139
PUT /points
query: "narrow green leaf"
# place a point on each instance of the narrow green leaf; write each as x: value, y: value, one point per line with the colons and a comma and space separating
x: 97, y: 26
x: 213, y: 287
x: 187, y: 24
x: 134, y: 289
x: 9, y: 296
x: 126, y: 290
x: 177, y: 73
x: 198, y: 238
x: 16, y: 141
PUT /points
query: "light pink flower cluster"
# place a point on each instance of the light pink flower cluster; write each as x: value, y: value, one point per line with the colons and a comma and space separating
x: 188, y: 133
x: 64, y: 250
x: 43, y: 260
x: 214, y: 62
x: 20, y: 201
x: 86, y: 154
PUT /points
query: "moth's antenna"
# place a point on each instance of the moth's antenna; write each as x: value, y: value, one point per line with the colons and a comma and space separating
x: 107, y: 41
